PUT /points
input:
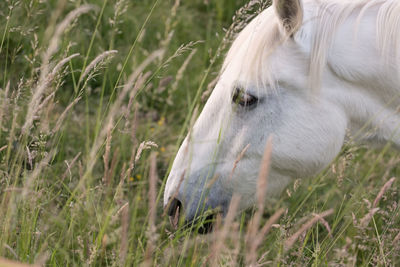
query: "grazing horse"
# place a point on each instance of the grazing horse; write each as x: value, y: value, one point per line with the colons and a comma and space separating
x: 307, y: 73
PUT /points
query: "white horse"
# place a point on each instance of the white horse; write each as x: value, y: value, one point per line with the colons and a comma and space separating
x: 306, y: 73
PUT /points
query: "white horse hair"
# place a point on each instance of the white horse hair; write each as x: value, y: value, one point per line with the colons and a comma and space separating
x: 306, y: 73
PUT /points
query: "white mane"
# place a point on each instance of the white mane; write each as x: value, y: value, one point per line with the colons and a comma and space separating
x: 264, y: 34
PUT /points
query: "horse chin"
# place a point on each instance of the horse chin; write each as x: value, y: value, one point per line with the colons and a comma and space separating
x: 203, y: 224
x: 207, y: 226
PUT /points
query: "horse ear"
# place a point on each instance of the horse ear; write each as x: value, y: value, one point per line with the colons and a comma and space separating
x: 290, y: 12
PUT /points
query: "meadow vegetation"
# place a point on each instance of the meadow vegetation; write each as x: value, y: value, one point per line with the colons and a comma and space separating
x: 95, y: 98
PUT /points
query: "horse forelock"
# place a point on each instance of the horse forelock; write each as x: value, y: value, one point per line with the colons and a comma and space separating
x: 263, y: 35
x: 249, y: 53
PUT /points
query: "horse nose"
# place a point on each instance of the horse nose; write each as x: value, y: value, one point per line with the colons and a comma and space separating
x: 174, y: 212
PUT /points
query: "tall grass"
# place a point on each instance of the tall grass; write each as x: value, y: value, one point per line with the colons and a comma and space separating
x: 94, y: 101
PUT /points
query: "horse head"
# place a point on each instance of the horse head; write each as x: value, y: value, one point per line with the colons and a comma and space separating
x: 291, y: 75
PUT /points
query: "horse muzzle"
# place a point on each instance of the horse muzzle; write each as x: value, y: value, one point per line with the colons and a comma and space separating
x: 203, y: 223
x: 195, y: 203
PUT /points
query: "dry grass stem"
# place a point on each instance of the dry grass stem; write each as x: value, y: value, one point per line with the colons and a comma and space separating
x: 29, y: 157
x: 106, y: 157
x: 397, y: 238
x: 45, y: 102
x: 373, y: 209
x: 114, y: 162
x: 367, y: 218
x: 151, y: 238
x: 267, y: 227
x: 123, y: 249
x: 5, y: 103
x: 291, y: 240
x: 263, y: 174
x: 384, y: 188
x: 144, y: 146
x: 212, y: 181
x: 222, y: 234
x: 140, y: 81
x: 60, y: 64
x: 70, y: 165
x: 181, y: 71
x: 253, y: 227
x: 95, y: 62
x: 324, y: 223
x: 210, y: 87
x: 64, y: 114
x: 241, y: 155
x: 133, y: 128
x: 151, y: 58
x: 36, y: 172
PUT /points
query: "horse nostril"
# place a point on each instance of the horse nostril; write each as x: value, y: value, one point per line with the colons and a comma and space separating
x: 174, y: 212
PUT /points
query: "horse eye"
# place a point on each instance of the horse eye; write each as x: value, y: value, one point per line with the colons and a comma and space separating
x: 243, y: 99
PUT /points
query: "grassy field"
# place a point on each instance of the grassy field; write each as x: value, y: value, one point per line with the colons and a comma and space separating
x: 95, y: 98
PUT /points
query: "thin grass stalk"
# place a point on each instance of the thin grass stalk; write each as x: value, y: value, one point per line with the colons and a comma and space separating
x: 181, y: 71
x: 106, y: 157
x: 383, y: 190
x: 140, y: 82
x: 70, y: 165
x: 291, y: 240
x: 373, y: 209
x: 6, y: 29
x: 92, y: 39
x: 96, y: 62
x: 4, y: 106
x: 396, y: 238
x: 237, y: 160
x: 31, y: 178
x: 134, y: 45
x: 63, y: 115
x: 12, y: 133
x: 267, y: 227
x: 114, y: 162
x: 45, y: 101
x: 253, y: 228
x: 151, y: 232
x: 143, y: 146
x: 223, y: 233
x: 123, y: 249
x: 134, y: 143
